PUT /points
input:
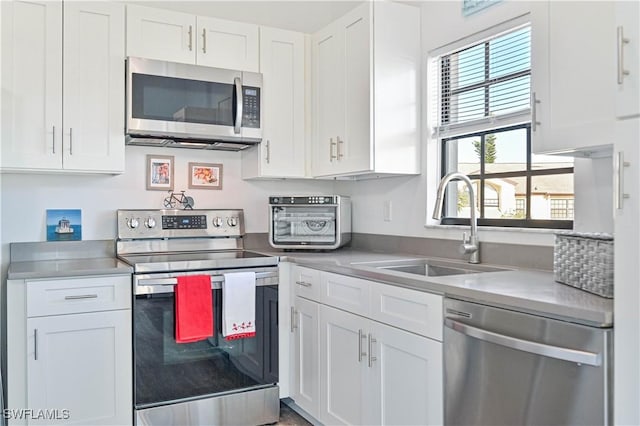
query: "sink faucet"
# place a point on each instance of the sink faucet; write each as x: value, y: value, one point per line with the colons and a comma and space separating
x: 471, y: 244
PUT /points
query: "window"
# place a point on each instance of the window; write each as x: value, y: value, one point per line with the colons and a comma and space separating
x: 484, y: 129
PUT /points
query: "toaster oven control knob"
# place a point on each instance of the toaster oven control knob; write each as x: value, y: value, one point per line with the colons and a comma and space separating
x: 232, y: 221
x: 150, y: 223
x: 133, y: 223
x: 217, y: 222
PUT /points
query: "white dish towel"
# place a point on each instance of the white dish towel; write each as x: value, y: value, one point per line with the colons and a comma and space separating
x: 239, y: 305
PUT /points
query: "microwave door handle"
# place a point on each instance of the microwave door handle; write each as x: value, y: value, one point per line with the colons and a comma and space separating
x: 239, y: 101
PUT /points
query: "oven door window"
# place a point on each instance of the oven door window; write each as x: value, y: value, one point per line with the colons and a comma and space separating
x: 304, y: 224
x: 168, y: 371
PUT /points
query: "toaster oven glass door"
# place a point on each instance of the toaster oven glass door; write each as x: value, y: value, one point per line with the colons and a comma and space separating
x: 304, y: 225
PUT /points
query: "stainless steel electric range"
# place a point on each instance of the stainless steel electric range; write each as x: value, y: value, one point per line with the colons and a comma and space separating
x: 212, y: 381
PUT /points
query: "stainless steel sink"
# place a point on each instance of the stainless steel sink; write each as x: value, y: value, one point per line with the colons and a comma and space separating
x: 432, y: 267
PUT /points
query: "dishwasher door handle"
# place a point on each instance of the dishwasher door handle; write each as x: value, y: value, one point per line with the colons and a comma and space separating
x: 565, y: 354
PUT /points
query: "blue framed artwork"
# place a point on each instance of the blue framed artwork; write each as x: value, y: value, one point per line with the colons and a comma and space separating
x: 64, y: 225
x: 469, y: 7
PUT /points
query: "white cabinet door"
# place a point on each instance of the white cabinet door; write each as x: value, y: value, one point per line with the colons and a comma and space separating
x: 93, y: 107
x: 627, y: 269
x: 306, y: 375
x: 31, y: 85
x: 329, y: 86
x: 343, y: 365
x: 227, y: 44
x: 161, y: 34
x: 81, y: 363
x: 283, y: 148
x: 355, y: 144
x: 628, y: 58
x: 573, y: 66
x: 406, y: 383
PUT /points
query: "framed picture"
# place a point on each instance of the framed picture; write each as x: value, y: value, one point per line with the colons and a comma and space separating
x: 160, y: 172
x: 205, y: 176
x: 64, y: 225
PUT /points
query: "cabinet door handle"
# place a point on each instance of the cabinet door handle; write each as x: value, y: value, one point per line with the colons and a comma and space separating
x: 70, y: 140
x: 204, y: 40
x: 534, y: 112
x: 190, y: 38
x: 361, y: 336
x: 621, y: 42
x: 268, y: 153
x: 338, y: 150
x: 293, y: 319
x: 371, y: 357
x: 35, y: 344
x: 54, y: 140
x: 304, y: 283
x: 331, y: 145
x: 81, y: 296
x: 618, y: 181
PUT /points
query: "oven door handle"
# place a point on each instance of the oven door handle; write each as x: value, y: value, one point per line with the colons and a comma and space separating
x: 262, y: 279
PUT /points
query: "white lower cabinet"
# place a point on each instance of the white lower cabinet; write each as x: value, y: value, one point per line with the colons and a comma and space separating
x: 81, y: 363
x: 306, y: 377
x: 377, y: 360
x: 343, y: 367
x: 70, y: 357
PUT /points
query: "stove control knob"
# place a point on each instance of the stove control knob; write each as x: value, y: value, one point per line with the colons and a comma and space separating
x: 150, y: 223
x: 133, y: 223
x: 232, y: 221
x: 217, y: 222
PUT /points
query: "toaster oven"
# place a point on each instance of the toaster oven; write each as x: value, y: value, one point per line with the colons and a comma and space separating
x: 309, y: 222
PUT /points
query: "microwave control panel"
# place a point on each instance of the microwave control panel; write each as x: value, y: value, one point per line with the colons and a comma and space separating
x: 251, y: 107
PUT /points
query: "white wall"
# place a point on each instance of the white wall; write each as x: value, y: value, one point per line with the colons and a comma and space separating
x: 26, y: 197
x: 412, y: 198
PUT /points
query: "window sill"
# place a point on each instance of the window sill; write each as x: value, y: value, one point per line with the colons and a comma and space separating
x: 550, y: 231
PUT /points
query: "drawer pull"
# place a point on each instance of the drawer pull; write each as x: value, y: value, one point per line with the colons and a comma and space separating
x: 303, y: 283
x: 81, y: 296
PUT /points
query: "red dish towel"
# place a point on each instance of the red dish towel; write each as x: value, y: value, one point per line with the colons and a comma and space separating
x: 194, y: 308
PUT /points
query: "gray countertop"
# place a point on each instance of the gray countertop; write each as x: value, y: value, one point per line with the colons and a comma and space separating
x: 528, y: 291
x: 67, y: 268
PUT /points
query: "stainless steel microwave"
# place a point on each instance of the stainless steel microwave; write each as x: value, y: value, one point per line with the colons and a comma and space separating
x: 191, y: 106
x: 309, y: 222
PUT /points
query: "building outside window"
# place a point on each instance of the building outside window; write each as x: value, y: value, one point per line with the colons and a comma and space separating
x: 484, y: 130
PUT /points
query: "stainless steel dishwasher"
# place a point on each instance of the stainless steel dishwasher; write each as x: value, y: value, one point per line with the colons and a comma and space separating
x: 510, y: 368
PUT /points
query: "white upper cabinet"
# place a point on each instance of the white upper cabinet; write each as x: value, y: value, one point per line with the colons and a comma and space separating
x: 282, y: 153
x: 161, y: 34
x: 180, y: 37
x: 47, y: 128
x: 366, y: 70
x: 573, y: 60
x: 627, y: 59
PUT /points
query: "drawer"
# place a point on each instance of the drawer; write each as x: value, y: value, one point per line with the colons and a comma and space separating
x: 76, y: 295
x: 306, y: 282
x: 411, y: 310
x: 343, y: 292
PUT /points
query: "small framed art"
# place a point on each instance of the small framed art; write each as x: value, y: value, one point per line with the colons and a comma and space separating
x: 205, y: 176
x: 160, y: 172
x: 64, y: 225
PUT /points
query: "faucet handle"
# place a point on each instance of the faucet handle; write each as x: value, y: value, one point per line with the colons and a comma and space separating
x: 464, y: 238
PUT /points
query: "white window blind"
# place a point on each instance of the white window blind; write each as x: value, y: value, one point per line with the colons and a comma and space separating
x: 485, y: 85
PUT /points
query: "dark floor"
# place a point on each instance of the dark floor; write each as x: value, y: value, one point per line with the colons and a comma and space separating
x: 290, y: 417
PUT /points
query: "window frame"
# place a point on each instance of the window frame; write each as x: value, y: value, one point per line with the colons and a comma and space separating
x: 482, y: 177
